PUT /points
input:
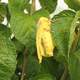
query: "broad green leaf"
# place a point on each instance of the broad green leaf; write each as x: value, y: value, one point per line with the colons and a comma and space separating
x: 4, y: 12
x: 74, y: 33
x: 7, y: 55
x: 19, y: 46
x: 15, y: 77
x: 40, y: 13
x: 24, y: 28
x: 30, y: 70
x: 17, y: 5
x: 74, y: 65
x: 49, y: 5
x: 49, y: 65
x: 65, y: 13
x: 45, y: 76
x: 74, y: 4
x: 3, y: 9
x: 60, y: 32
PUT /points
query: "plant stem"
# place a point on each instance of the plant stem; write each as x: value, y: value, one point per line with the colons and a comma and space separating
x: 25, y: 52
x: 65, y: 73
x: 33, y: 7
x: 24, y: 64
x: 76, y: 39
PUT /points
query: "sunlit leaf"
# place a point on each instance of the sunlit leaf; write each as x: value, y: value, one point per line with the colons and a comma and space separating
x: 49, y: 5
x: 61, y: 30
x: 7, y: 55
x: 4, y: 12
x: 74, y: 65
x: 17, y: 5
x: 74, y: 34
x: 45, y: 76
x: 24, y: 28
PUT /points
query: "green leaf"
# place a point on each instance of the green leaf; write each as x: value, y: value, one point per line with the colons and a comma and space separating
x: 74, y: 34
x: 49, y: 5
x: 74, y: 65
x: 17, y: 5
x: 45, y: 76
x: 15, y: 77
x: 49, y: 65
x: 60, y: 32
x: 74, y: 4
x: 19, y: 46
x: 4, y: 12
x: 7, y: 54
x: 32, y: 71
x: 3, y: 9
x: 24, y: 28
x: 65, y: 13
x: 40, y: 13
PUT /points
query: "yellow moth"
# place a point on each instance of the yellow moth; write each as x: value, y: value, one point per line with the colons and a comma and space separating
x: 44, y: 42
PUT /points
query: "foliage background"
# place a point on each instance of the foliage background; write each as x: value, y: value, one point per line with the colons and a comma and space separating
x: 66, y: 61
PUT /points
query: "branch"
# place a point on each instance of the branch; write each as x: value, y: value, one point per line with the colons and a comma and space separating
x: 65, y: 73
x: 24, y: 65
x: 33, y: 7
